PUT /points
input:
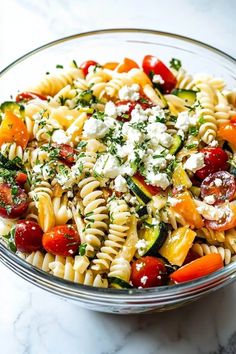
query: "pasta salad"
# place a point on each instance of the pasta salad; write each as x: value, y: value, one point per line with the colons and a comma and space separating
x: 119, y: 175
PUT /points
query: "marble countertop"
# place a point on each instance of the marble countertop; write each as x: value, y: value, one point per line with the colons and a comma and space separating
x: 33, y: 321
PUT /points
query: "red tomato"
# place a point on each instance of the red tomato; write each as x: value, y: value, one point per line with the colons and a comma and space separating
x: 228, y: 221
x: 153, y: 66
x: 199, y: 268
x: 28, y: 236
x: 215, y: 159
x: 13, y: 201
x: 221, y: 185
x: 21, y: 178
x: 28, y: 96
x: 191, y: 256
x: 153, y: 190
x: 147, y: 272
x: 67, y: 154
x: 86, y: 64
x: 61, y: 240
x: 126, y: 116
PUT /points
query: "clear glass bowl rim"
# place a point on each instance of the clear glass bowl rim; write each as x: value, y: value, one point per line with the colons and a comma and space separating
x: 69, y: 289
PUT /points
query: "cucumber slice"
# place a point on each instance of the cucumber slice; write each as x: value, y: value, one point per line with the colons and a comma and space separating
x: 189, y: 96
x: 139, y: 190
x: 177, y: 145
x: 11, y: 106
x: 154, y: 236
x: 118, y: 283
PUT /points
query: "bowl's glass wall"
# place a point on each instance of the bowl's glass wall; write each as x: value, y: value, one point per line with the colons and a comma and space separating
x: 105, y: 46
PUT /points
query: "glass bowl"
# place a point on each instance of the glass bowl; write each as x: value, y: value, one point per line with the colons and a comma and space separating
x: 113, y: 45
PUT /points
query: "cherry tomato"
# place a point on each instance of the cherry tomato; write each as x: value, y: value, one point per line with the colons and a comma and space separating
x: 191, y: 256
x: 126, y: 65
x: 198, y: 268
x: 28, y: 96
x: 21, y: 178
x: 147, y: 272
x: 215, y: 159
x: 221, y: 185
x: 13, y: 201
x: 85, y: 66
x: 12, y: 130
x: 61, y: 240
x: 67, y: 154
x: 227, y: 131
x: 228, y: 220
x: 153, y: 66
x: 126, y: 116
x: 28, y: 236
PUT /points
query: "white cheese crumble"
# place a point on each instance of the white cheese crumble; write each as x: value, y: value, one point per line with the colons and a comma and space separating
x: 173, y: 201
x: 213, y: 143
x: 129, y: 93
x: 120, y: 184
x: 144, y: 279
x: 139, y: 266
x: 158, y: 179
x: 113, y: 111
x: 183, y: 121
x: 195, y: 162
x: 141, y: 246
x: 95, y: 128
x: 107, y: 166
x: 59, y: 137
x: 218, y: 182
x: 157, y: 79
x: 210, y: 199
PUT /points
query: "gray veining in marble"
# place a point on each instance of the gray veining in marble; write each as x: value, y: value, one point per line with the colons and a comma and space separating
x: 35, y: 322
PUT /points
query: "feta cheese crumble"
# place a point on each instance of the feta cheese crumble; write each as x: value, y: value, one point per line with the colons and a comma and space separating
x: 157, y: 79
x: 59, y: 137
x: 107, y: 166
x: 95, y: 128
x: 195, y: 162
x: 218, y: 182
x: 158, y: 180
x: 141, y: 246
x: 129, y: 93
x: 144, y: 279
x: 183, y: 121
x: 120, y: 184
x: 210, y: 199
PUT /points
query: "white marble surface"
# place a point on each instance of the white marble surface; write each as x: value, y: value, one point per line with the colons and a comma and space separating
x: 35, y: 322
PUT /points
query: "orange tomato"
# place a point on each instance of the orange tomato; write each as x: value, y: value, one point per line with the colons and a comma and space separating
x: 227, y: 131
x: 14, y: 130
x: 225, y: 223
x: 198, y: 268
x: 187, y: 209
x: 126, y: 65
x: 110, y: 65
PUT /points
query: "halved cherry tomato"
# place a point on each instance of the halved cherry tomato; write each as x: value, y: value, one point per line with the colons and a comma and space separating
x: 126, y: 65
x: 28, y: 236
x: 153, y: 190
x: 227, y: 131
x: 110, y: 65
x: 126, y: 116
x: 228, y: 220
x: 86, y: 64
x: 67, y: 154
x: 215, y: 159
x: 221, y: 185
x: 12, y: 130
x: 28, y: 96
x: 153, y: 66
x: 198, y: 268
x: 61, y: 240
x: 191, y: 256
x: 21, y: 178
x: 13, y: 201
x: 147, y: 272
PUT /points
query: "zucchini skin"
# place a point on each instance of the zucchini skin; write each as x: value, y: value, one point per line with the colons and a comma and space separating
x: 189, y: 96
x: 177, y: 145
x: 118, y: 283
x: 163, y: 232
x: 14, y: 107
x: 143, y: 196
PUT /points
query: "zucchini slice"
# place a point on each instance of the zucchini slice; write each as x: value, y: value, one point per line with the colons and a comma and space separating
x: 117, y: 283
x: 162, y: 98
x: 143, y: 195
x: 189, y: 96
x: 177, y: 145
x: 142, y: 211
x: 11, y: 106
x: 155, y: 236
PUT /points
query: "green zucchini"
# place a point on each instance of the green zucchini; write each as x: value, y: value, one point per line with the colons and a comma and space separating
x: 189, y: 96
x: 177, y: 145
x: 162, y: 98
x: 142, y: 211
x: 196, y: 191
x: 139, y: 190
x: 118, y: 283
x: 11, y: 106
x: 154, y: 235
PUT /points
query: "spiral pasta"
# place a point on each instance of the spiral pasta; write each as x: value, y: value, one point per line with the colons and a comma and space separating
x: 38, y: 259
x: 211, y: 236
x: 202, y: 249
x: 184, y: 80
x: 119, y: 215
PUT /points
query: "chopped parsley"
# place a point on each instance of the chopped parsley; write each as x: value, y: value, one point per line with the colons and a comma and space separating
x: 175, y: 64
x: 10, y: 239
x: 59, y: 66
x: 82, y: 249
